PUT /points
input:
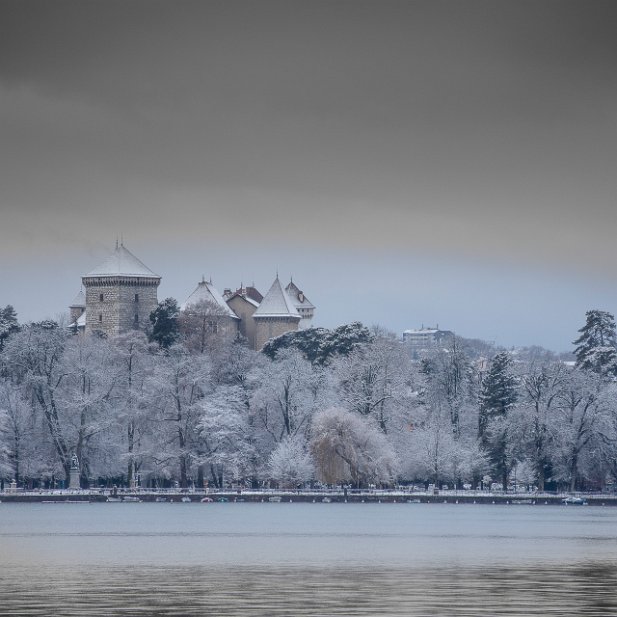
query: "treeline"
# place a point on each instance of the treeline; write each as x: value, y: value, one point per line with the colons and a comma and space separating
x: 341, y: 406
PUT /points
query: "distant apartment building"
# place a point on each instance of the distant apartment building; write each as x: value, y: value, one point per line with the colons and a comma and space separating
x: 424, y: 340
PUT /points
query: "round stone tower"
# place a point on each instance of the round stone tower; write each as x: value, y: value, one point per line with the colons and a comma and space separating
x: 120, y: 294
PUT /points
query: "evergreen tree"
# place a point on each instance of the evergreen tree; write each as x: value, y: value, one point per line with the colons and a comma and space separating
x: 596, y: 346
x: 165, y: 325
x: 307, y: 341
x: 8, y: 323
x: 319, y: 345
x: 497, y: 397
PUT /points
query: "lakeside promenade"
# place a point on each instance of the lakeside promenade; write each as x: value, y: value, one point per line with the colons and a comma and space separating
x: 305, y: 496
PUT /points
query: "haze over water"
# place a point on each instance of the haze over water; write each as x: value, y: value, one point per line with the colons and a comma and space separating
x: 306, y: 559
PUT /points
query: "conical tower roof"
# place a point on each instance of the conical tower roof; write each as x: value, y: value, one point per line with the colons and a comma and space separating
x: 207, y: 292
x: 79, y: 301
x: 122, y: 263
x: 276, y: 303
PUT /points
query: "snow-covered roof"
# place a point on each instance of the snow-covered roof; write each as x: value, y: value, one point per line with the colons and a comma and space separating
x: 122, y: 263
x: 207, y: 292
x: 276, y: 303
x: 297, y: 296
x: 79, y: 301
x: 80, y: 322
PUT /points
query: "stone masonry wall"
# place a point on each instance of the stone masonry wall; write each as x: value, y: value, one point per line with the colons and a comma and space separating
x: 111, y: 306
x: 271, y: 327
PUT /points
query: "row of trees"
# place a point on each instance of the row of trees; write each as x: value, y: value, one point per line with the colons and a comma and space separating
x: 342, y: 406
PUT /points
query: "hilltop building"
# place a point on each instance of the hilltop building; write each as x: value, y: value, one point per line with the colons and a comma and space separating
x: 425, y: 340
x: 121, y: 293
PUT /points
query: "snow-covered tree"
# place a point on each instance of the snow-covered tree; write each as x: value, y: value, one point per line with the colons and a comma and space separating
x: 19, y: 435
x: 348, y: 448
x: 175, y: 390
x: 224, y: 443
x: 377, y: 380
x: 8, y: 323
x: 495, y: 427
x: 35, y: 356
x: 291, y: 463
x: 584, y: 410
x: 133, y: 362
x: 205, y: 326
x: 450, y: 383
x: 85, y: 401
x: 596, y: 347
x: 284, y: 400
x: 542, y: 387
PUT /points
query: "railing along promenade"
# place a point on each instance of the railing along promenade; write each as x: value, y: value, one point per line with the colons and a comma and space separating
x: 321, y: 495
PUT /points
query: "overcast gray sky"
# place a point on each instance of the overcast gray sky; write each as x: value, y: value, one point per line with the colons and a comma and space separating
x: 408, y: 162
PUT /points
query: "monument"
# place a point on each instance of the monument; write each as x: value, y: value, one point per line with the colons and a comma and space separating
x: 74, y: 473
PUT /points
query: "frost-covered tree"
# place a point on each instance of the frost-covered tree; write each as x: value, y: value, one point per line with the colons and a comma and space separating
x: 19, y: 436
x: 85, y: 403
x: 35, y: 356
x: 291, y: 463
x: 285, y: 398
x: 377, y: 380
x: 133, y: 362
x: 495, y: 427
x: 8, y: 323
x: 348, y: 448
x: 542, y: 387
x: 437, y: 455
x: 584, y: 409
x: 165, y: 328
x: 450, y: 383
x: 205, y: 326
x: 224, y: 443
x: 596, y: 346
x: 175, y: 390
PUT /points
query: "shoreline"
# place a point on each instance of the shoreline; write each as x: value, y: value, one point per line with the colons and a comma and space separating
x: 283, y: 496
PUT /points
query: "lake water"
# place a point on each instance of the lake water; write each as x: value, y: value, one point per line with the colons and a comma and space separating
x: 306, y: 559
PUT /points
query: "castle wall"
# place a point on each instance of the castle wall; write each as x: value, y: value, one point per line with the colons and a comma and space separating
x: 115, y: 305
x: 75, y: 312
x: 244, y: 310
x: 271, y: 327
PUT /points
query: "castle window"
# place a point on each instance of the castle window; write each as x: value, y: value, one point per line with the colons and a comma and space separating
x: 100, y: 297
x: 136, y: 297
x: 100, y: 317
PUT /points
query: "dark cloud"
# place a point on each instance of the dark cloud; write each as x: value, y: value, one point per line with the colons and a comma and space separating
x: 477, y: 129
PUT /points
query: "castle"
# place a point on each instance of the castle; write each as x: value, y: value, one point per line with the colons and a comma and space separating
x: 121, y: 293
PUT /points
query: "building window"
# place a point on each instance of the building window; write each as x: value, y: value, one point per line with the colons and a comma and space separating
x: 213, y: 327
x: 136, y: 320
x: 100, y: 297
x: 136, y: 297
x: 100, y: 317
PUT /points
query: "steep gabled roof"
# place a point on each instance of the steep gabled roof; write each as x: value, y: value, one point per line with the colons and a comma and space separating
x: 297, y: 296
x: 208, y: 293
x: 122, y: 263
x: 276, y: 303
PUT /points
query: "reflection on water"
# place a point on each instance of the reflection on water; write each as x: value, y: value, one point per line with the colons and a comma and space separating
x: 167, y: 591
x: 306, y: 559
